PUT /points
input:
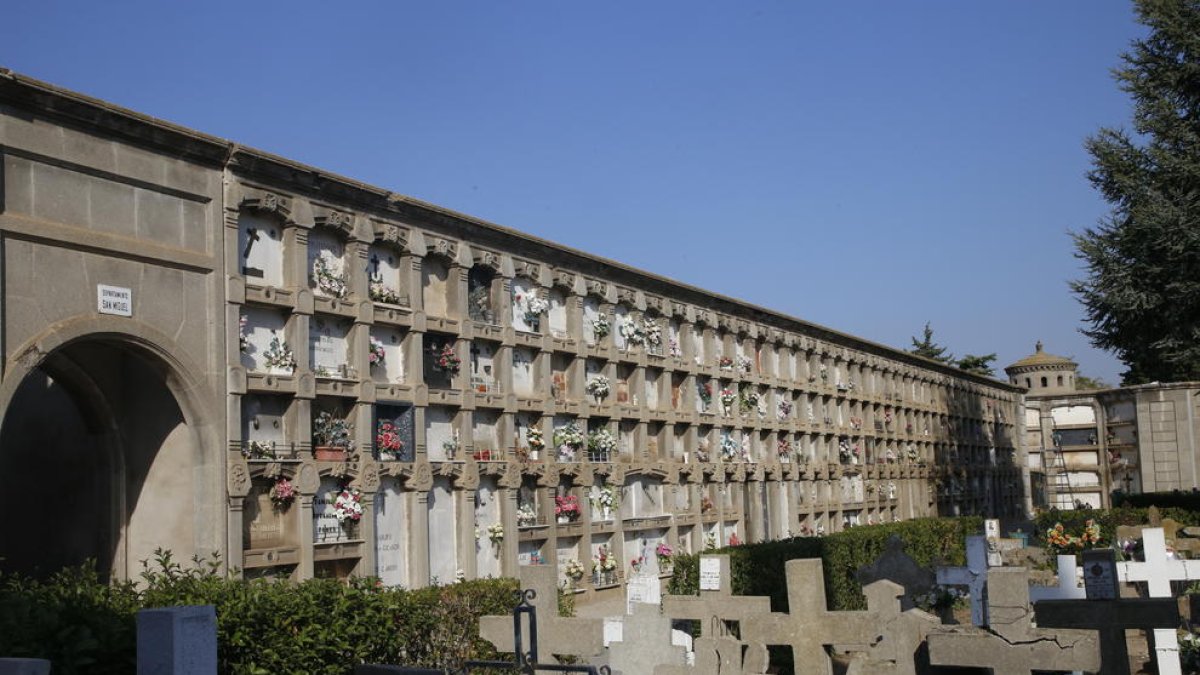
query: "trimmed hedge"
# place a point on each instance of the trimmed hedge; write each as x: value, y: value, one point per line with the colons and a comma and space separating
x: 1186, y: 501
x: 758, y: 569
x: 263, y: 626
x: 1110, y: 519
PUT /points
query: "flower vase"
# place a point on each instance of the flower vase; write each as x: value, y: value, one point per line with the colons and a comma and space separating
x: 328, y: 453
x: 563, y: 520
x: 606, y: 513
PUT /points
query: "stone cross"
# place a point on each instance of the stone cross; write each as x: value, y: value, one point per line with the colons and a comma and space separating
x: 645, y: 643
x: 713, y: 608
x: 1068, y: 587
x: 897, y: 566
x: 1013, y: 646
x: 1110, y: 618
x: 556, y: 634
x: 973, y: 576
x: 723, y: 656
x: 1159, y: 570
x: 884, y: 634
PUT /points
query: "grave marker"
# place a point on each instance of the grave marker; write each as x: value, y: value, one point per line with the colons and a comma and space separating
x: 723, y: 656
x: 177, y: 641
x: 1100, y: 574
x: 568, y: 636
x: 1158, y: 571
x: 1110, y: 618
x: 973, y: 576
x: 713, y: 607
x: 649, y: 643
x: 897, y: 566
x: 1068, y: 587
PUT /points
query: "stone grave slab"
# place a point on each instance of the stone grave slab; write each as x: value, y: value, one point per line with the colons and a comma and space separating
x: 1013, y: 646
x: 556, y: 634
x: 973, y: 576
x: 884, y: 634
x: 177, y: 640
x: 897, y: 566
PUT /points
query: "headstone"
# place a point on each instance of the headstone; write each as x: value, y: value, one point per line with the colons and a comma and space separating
x: 177, y: 641
x: 566, y: 636
x: 1013, y: 646
x: 991, y: 529
x: 973, y: 576
x: 646, y: 643
x: 723, y: 656
x: 326, y: 527
x: 1068, y: 587
x: 1100, y: 574
x: 712, y: 608
x: 1111, y: 618
x: 643, y: 588
x: 885, y: 636
x: 710, y: 573
x: 1158, y: 571
x: 897, y: 566
x: 24, y: 667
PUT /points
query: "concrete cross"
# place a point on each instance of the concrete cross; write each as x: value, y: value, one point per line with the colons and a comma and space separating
x: 723, y: 656
x: 1110, y: 618
x: 1013, y: 646
x: 713, y: 608
x: 645, y: 643
x: 1068, y: 587
x: 973, y: 576
x: 1158, y: 571
x: 556, y: 634
x: 885, y: 635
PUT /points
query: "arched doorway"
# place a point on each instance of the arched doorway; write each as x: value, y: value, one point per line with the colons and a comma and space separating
x: 96, y: 461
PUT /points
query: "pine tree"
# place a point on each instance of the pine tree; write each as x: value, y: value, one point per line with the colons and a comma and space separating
x: 930, y: 349
x: 978, y: 365
x: 1141, y: 294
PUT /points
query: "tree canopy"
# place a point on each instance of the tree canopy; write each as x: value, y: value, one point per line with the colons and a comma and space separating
x: 979, y: 365
x: 1141, y: 292
x: 929, y: 349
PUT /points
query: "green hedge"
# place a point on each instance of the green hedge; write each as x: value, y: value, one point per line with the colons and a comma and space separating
x: 1110, y: 519
x: 758, y: 569
x: 263, y: 626
x: 1185, y: 501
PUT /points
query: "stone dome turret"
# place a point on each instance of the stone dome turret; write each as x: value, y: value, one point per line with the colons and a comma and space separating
x: 1043, y: 373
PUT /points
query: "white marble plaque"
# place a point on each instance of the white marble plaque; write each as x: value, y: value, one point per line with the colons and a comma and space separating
x: 710, y: 574
x: 326, y: 528
x: 391, y: 528
x: 327, y: 346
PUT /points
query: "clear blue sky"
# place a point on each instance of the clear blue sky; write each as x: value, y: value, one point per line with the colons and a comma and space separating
x: 869, y: 166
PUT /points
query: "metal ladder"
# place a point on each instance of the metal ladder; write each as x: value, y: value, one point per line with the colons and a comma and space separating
x: 1058, y: 481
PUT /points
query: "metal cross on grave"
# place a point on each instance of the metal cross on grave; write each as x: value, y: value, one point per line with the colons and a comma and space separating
x: 1068, y: 587
x: 1158, y: 571
x: 714, y: 606
x: 557, y: 635
x: 887, y: 637
x: 1013, y: 646
x: 973, y: 576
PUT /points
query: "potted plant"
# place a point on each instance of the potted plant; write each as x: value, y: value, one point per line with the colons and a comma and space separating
x: 331, y: 438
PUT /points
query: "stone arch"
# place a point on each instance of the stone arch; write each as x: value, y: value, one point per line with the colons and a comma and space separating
x: 118, y: 403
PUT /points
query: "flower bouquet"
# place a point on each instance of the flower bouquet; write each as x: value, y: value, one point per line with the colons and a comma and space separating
x: 533, y: 436
x: 600, y: 444
x: 331, y: 437
x: 526, y: 515
x: 379, y: 292
x: 495, y: 533
x: 387, y: 440
x: 744, y: 364
x: 568, y: 439
x: 282, y: 493
x: 598, y: 387
x: 444, y: 359
x: 725, y: 363
x: 347, y: 506
x: 279, y: 355
x: 606, y: 499
x: 573, y: 569
x: 328, y: 277
x: 600, y: 327
x: 376, y: 352
x: 631, y: 332
x: 663, y: 553
x: 566, y: 508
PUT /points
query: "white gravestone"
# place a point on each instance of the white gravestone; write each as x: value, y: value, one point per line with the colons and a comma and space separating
x: 390, y: 531
x: 327, y: 343
x: 1068, y: 587
x: 326, y: 527
x: 1159, y: 570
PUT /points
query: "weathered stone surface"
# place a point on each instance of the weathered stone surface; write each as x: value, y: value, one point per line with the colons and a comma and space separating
x: 897, y: 566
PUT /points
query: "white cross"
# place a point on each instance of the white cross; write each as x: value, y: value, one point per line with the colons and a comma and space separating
x: 1068, y: 587
x: 973, y: 576
x: 1159, y: 570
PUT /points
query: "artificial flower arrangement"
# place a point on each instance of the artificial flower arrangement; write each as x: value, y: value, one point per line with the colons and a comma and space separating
x: 451, y: 446
x: 750, y: 399
x: 573, y: 569
x: 604, y: 561
x: 942, y: 597
x: 636, y: 563
x: 744, y: 364
x: 725, y: 363
x: 330, y: 431
x: 652, y: 331
x: 912, y: 453
x: 704, y: 391
x: 347, y: 505
x: 601, y: 440
x: 444, y: 358
x: 567, y: 507
x: 328, y: 277
x: 526, y: 515
x: 889, y: 456
x: 607, y: 497
x: 380, y: 292
x: 784, y: 410
x: 706, y: 504
x: 1061, y: 542
x: 532, y: 306
x: 376, y: 352
x: 259, y: 450
x: 600, y: 327
x: 533, y: 436
x: 387, y: 440
x: 282, y: 493
x: 599, y: 387
x: 676, y: 351
x: 243, y: 339
x: 784, y: 447
x: 663, y: 552
x: 279, y: 355
x: 728, y: 396
x: 730, y: 449
x: 495, y: 533
x: 569, y: 436
x: 631, y: 332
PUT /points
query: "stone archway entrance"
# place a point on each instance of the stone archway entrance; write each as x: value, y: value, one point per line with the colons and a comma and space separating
x: 96, y: 462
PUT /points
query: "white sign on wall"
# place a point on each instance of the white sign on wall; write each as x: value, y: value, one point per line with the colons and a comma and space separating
x: 114, y: 300
x: 710, y: 574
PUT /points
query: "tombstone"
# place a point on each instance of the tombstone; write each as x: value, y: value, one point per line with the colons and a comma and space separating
x: 391, y: 530
x: 1159, y: 570
x: 24, y: 667
x: 716, y: 603
x: 649, y: 643
x: 177, y: 640
x: 643, y: 588
x: 326, y: 527
x: 973, y: 576
x: 1068, y: 587
x: 887, y: 637
x: 723, y: 656
x: 897, y: 566
x: 567, y: 636
x: 1013, y: 646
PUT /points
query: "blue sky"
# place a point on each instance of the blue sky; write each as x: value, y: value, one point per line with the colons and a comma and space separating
x: 869, y: 166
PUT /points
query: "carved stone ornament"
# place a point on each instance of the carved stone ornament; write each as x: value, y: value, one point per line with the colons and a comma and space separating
x: 564, y: 279
x: 239, y: 478
x: 739, y: 473
x: 549, y: 477
x: 421, y: 479
x: 442, y: 247
x: 758, y: 473
x: 273, y: 470
x: 368, y: 479
x: 585, y: 475
x: 337, y: 220
x: 469, y: 479
x: 511, y: 478
x: 617, y: 475
x: 596, y: 287
x: 307, y: 478
x: 392, y: 234
x: 626, y: 295
x: 487, y: 259
x: 270, y: 203
x: 525, y: 268
x: 655, y: 301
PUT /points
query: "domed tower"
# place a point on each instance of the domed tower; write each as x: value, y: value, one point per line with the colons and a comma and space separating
x: 1043, y: 373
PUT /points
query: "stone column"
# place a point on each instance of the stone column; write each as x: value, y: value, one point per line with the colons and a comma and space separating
x: 418, y: 559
